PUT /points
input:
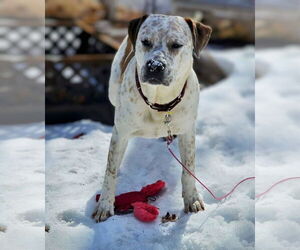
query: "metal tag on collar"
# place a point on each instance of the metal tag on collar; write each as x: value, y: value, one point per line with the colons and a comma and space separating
x: 168, y: 118
x: 167, y: 121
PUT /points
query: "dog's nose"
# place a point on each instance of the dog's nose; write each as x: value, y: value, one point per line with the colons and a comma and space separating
x: 155, y: 66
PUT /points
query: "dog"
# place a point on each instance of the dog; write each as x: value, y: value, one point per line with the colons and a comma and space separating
x: 155, y: 92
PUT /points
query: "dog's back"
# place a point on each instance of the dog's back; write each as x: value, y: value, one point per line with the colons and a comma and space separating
x: 119, y: 65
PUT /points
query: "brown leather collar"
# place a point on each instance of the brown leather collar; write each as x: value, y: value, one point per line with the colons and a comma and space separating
x: 156, y: 106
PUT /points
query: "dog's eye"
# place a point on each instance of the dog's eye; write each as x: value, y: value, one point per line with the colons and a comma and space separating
x: 146, y: 43
x: 176, y: 46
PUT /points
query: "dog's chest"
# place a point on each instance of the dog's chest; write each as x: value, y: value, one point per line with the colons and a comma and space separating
x: 140, y: 120
x: 153, y: 123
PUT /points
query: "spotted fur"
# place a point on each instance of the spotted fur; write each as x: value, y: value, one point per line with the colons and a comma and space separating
x: 134, y: 118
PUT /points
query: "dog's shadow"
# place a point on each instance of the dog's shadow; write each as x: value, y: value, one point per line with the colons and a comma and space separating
x: 126, y: 229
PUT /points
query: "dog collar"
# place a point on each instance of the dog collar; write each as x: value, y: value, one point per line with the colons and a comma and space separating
x: 156, y: 106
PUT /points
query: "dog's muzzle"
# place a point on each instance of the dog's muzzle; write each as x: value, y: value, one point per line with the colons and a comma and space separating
x: 154, y: 71
x: 155, y: 66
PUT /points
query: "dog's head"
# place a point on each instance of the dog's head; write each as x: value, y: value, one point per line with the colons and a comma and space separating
x: 164, y: 46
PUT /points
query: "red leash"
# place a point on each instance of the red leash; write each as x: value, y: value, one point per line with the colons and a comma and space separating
x: 169, y: 141
x: 275, y: 184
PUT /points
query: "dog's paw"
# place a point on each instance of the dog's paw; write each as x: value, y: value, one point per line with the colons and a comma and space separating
x: 104, y: 209
x: 192, y: 202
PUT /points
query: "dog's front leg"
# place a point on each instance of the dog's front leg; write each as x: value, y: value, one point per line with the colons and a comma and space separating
x: 191, y: 199
x: 105, y: 206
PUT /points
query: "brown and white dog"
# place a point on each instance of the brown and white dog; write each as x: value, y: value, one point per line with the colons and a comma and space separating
x: 152, y: 74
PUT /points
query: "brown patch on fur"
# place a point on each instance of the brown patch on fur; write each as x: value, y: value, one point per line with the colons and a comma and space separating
x: 112, y: 172
x: 126, y: 58
x: 134, y: 27
x: 133, y: 30
x: 200, y: 33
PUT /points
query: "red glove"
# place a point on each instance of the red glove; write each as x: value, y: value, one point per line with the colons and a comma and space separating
x: 137, y: 200
x: 145, y: 212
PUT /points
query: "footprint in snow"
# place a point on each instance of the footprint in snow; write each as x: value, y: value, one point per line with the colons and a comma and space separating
x: 73, y: 218
x: 36, y: 216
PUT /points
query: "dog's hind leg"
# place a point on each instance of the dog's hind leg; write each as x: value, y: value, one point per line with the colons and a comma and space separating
x: 191, y: 199
x: 105, y: 206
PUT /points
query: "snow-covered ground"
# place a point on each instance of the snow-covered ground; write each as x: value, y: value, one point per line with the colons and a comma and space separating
x: 22, y: 193
x: 277, y: 129
x: 225, y: 154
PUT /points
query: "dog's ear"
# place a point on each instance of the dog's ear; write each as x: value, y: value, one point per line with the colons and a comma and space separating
x: 200, y: 33
x: 134, y: 27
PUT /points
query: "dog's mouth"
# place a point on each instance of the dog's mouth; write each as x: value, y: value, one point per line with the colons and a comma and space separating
x: 154, y: 81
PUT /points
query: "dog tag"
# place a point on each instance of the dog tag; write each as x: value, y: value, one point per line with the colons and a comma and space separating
x: 168, y: 118
x: 167, y: 122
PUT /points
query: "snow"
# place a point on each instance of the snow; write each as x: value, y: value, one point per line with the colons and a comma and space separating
x: 31, y: 130
x: 277, y: 148
x: 225, y: 154
x: 22, y: 194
